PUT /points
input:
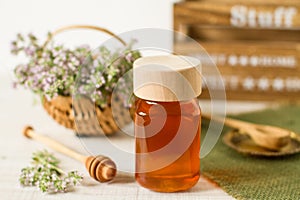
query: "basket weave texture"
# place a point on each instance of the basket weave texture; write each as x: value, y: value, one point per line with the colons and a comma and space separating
x: 86, y: 118
x: 82, y: 115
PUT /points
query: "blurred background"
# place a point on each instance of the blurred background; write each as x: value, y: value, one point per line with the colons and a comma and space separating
x: 254, y: 44
x: 40, y: 17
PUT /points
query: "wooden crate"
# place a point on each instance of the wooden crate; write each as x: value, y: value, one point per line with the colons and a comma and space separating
x: 251, y: 14
x: 256, y: 62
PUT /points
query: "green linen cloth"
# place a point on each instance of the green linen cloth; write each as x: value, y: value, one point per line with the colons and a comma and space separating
x: 254, y: 178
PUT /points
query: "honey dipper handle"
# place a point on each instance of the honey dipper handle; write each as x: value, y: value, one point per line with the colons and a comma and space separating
x: 30, y: 133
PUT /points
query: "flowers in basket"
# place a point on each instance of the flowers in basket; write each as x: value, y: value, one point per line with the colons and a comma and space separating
x: 55, y: 70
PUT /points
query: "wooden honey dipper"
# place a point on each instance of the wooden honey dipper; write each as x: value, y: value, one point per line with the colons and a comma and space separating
x: 101, y: 168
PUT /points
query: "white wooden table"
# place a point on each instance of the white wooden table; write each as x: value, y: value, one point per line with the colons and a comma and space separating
x: 17, y: 110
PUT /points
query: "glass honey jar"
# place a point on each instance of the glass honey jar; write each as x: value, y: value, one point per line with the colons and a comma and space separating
x: 167, y: 122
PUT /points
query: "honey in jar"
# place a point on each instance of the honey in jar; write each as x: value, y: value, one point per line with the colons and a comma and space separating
x: 167, y: 122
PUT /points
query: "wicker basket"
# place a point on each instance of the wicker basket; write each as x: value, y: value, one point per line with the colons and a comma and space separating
x: 81, y: 114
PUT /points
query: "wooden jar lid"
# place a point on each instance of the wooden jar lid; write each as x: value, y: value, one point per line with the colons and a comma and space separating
x: 167, y: 78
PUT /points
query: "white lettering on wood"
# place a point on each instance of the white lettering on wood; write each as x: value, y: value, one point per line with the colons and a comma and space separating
x: 233, y: 82
x: 242, y: 16
x: 284, y: 61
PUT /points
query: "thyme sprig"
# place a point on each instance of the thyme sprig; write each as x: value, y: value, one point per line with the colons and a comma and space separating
x: 46, y: 174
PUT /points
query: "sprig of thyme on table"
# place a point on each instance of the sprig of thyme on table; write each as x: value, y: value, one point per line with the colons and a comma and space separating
x: 46, y: 174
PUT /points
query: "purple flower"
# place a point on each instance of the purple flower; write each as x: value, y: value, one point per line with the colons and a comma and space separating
x: 54, y: 70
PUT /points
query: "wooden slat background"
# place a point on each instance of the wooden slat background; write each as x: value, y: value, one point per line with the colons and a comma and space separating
x: 219, y: 12
x: 213, y: 33
x: 208, y: 22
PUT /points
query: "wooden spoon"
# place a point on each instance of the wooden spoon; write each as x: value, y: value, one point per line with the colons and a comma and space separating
x: 269, y: 137
x: 101, y: 168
